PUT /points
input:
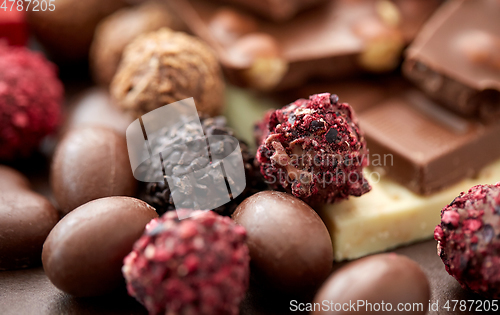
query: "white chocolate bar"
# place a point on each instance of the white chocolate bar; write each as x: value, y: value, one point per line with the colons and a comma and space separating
x: 391, y: 215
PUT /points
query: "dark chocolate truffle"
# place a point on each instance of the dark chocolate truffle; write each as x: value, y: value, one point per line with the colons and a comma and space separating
x: 163, y: 67
x: 198, y: 265
x: 385, y: 281
x: 116, y: 31
x: 84, y: 252
x: 89, y: 163
x: 290, y: 247
x: 314, y: 149
x: 159, y: 194
x: 67, y: 30
x: 26, y: 219
x: 469, y: 239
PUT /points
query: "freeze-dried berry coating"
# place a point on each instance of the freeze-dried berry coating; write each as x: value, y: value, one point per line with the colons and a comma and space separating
x: 199, y: 265
x: 313, y: 148
x: 30, y: 101
x: 159, y: 194
x: 469, y: 239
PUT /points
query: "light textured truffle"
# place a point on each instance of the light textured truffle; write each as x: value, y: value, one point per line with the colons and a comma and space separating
x: 164, y: 67
x: 118, y: 30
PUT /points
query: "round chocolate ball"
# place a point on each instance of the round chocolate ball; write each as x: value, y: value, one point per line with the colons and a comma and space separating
x: 66, y: 30
x: 26, y: 219
x: 10, y: 179
x: 89, y: 163
x: 383, y: 280
x: 469, y: 239
x: 84, y: 253
x: 116, y: 31
x: 93, y: 107
x: 163, y: 67
x: 290, y: 247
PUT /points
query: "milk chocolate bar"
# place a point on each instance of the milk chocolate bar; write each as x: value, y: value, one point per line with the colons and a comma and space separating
x: 277, y: 11
x: 456, y: 57
x: 424, y: 146
x: 340, y: 38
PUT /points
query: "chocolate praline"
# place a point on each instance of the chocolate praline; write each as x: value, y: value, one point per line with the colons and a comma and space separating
x: 314, y: 149
x: 26, y: 219
x: 90, y: 163
x: 84, y: 252
x: 469, y: 239
x: 385, y: 279
x: 290, y: 247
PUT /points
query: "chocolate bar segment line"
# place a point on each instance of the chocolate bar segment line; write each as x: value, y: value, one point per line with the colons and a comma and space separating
x: 429, y: 152
x: 456, y: 57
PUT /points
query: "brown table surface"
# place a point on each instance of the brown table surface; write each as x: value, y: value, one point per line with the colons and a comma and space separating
x: 30, y: 292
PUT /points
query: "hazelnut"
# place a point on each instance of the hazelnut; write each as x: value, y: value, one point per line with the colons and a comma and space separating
x: 261, y: 59
x: 228, y: 25
x: 388, y: 12
x: 383, y: 45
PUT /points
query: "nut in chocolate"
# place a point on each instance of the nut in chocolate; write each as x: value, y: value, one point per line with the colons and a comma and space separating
x: 169, y: 144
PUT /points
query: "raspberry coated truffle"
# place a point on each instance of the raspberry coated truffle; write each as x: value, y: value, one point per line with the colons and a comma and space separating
x: 469, y: 239
x: 314, y: 149
x: 199, y: 265
x: 30, y: 101
x: 163, y: 67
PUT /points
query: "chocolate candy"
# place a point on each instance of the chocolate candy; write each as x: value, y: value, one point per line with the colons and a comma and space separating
x: 424, y: 146
x: 67, y: 30
x: 290, y: 247
x: 10, y: 179
x: 468, y: 239
x: 163, y: 67
x: 89, y: 163
x: 83, y: 254
x: 160, y: 194
x: 198, y: 265
x: 26, y: 219
x: 116, y: 31
x: 314, y: 149
x: 386, y: 278
x: 93, y: 107
x: 456, y: 57
x: 336, y: 39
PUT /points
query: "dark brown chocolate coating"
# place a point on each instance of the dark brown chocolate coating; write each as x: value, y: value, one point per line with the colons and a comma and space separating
x: 67, y: 31
x: 83, y: 254
x: 455, y: 59
x: 290, y: 247
x: 12, y: 179
x: 26, y: 219
x: 390, y: 278
x: 426, y: 147
x: 89, y: 163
